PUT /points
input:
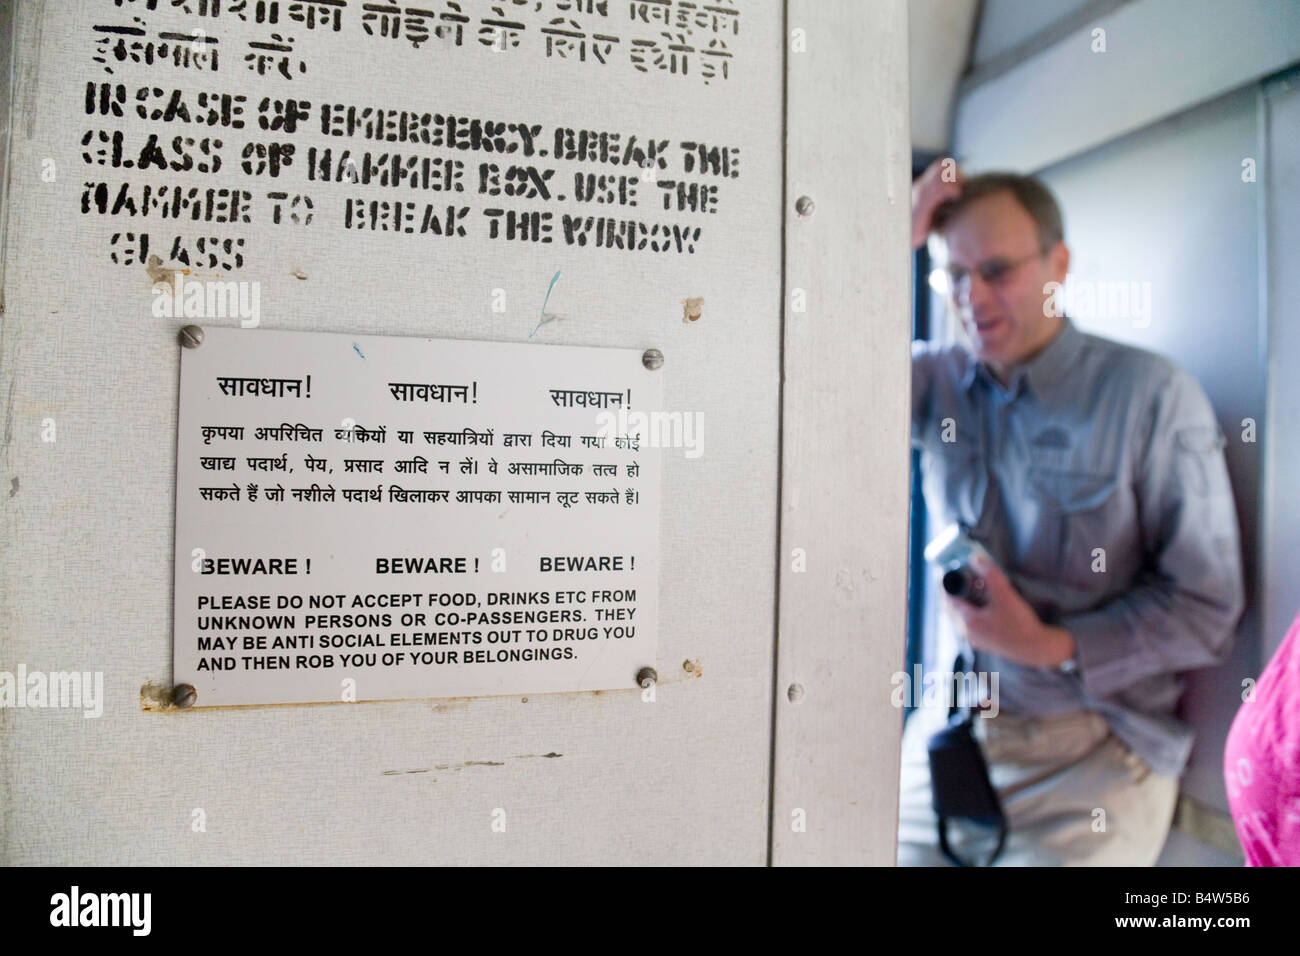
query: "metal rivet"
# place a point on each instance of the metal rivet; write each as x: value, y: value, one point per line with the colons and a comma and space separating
x: 652, y: 359
x: 803, y: 205
x: 646, y: 677
x: 795, y: 693
x: 191, y: 336
x: 184, y: 695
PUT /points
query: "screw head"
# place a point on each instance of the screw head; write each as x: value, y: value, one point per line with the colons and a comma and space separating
x: 652, y: 359
x: 646, y: 677
x: 804, y: 205
x: 184, y: 695
x: 191, y: 336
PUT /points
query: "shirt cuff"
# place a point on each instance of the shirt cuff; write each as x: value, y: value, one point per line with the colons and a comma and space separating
x: 1103, y: 647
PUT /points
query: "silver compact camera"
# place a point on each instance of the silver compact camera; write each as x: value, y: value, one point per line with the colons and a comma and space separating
x: 952, y: 552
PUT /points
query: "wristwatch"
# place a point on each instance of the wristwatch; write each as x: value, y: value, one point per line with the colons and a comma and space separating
x: 1071, y: 664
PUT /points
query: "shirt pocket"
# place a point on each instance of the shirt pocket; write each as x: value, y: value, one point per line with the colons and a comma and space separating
x: 1199, y: 457
x: 1077, y: 516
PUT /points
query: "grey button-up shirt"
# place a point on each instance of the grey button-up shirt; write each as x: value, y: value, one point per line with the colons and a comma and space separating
x: 1096, y: 479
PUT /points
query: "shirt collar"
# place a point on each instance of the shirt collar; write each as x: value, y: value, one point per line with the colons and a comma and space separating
x: 1044, y: 372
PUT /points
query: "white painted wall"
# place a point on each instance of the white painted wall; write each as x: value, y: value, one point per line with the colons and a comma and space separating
x: 86, y: 544
x: 1280, y: 288
x: 1004, y: 24
x: 939, y: 39
x: 1161, y: 57
x: 845, y: 449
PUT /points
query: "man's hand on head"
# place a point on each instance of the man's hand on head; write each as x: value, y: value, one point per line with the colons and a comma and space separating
x: 1007, y: 626
x: 941, y: 182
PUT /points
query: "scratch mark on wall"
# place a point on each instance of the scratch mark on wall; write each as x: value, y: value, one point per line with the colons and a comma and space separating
x: 28, y: 86
x: 9, y: 415
x: 547, y: 316
x: 13, y: 486
x: 458, y: 767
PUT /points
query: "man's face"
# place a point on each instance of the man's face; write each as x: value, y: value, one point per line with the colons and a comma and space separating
x: 1005, y: 318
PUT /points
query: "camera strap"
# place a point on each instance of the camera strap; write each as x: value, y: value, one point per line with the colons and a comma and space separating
x: 959, y: 777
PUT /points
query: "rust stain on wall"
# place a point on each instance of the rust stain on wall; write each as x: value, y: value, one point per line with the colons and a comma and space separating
x: 161, y: 273
x: 155, y: 696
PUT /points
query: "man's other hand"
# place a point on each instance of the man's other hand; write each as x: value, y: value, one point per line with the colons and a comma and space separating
x: 941, y: 182
x: 1007, y: 626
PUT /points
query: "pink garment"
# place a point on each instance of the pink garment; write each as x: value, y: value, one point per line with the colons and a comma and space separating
x: 1261, y: 761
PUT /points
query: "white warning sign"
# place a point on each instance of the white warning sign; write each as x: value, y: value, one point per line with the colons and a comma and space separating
x: 376, y: 518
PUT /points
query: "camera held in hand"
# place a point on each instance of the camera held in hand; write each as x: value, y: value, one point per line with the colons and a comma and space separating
x: 953, y: 552
x: 962, y: 582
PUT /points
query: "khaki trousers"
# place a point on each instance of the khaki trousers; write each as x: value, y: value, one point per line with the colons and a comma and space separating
x: 1072, y: 792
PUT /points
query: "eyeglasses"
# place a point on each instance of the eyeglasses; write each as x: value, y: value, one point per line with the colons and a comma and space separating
x: 994, y: 272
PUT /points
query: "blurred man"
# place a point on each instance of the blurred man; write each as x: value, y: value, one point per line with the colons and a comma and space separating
x: 1092, y: 473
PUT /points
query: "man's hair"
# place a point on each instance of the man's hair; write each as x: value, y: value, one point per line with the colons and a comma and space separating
x: 1035, y: 198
